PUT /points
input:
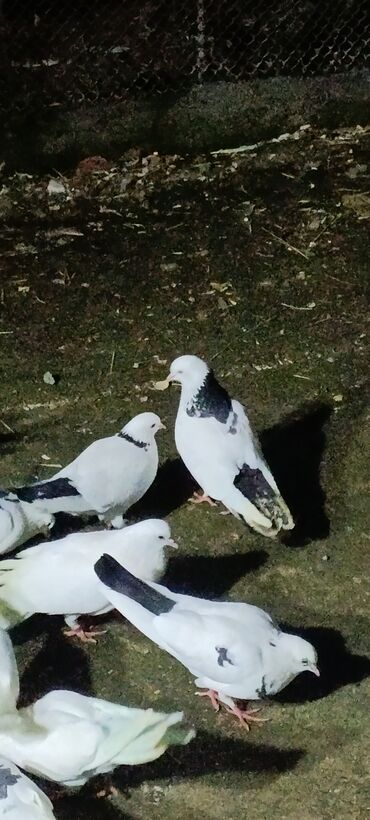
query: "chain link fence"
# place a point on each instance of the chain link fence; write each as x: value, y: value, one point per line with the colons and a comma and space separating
x: 91, y: 51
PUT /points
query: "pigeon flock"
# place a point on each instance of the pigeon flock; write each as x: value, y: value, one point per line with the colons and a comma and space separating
x: 235, y: 651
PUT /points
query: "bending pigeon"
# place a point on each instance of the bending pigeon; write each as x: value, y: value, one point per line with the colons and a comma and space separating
x: 234, y: 650
x: 68, y: 737
x: 20, y: 799
x: 106, y: 479
x: 58, y: 578
x: 215, y: 441
x: 15, y: 526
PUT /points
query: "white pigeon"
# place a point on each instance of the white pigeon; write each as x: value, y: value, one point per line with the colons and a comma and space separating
x: 106, y: 479
x: 58, y: 578
x: 20, y: 798
x: 68, y: 737
x: 216, y: 443
x: 15, y: 526
x: 234, y: 650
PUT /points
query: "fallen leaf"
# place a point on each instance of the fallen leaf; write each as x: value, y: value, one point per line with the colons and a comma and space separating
x: 162, y: 385
x: 48, y: 378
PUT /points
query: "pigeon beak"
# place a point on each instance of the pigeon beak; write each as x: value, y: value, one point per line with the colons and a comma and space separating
x: 315, y: 670
x: 171, y: 543
x: 162, y: 426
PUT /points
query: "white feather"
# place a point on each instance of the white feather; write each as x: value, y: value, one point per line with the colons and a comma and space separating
x: 232, y: 648
x: 20, y: 798
x: 68, y: 737
x: 215, y: 451
x: 109, y: 476
x: 58, y: 578
x: 16, y: 526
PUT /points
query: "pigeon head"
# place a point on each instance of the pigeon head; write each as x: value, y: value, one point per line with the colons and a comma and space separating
x: 154, y: 529
x: 302, y: 654
x: 143, y: 427
x: 189, y: 371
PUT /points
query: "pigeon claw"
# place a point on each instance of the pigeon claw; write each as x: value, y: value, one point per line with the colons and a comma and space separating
x: 199, y: 498
x: 245, y: 716
x: 212, y: 695
x: 84, y: 635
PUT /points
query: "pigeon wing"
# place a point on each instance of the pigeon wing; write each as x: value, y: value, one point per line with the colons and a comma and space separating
x: 210, y: 647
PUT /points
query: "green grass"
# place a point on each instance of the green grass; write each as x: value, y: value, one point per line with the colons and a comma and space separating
x: 302, y: 375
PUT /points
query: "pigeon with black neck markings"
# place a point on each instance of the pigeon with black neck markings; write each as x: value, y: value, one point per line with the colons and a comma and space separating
x: 216, y: 443
x: 59, y: 579
x: 106, y: 479
x: 234, y: 650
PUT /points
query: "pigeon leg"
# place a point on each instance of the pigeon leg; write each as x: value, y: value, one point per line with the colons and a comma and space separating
x: 245, y: 716
x: 76, y: 630
x: 212, y: 695
x: 84, y: 635
x: 199, y: 498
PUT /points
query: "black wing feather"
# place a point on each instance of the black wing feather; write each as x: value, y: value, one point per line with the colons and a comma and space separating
x: 116, y: 577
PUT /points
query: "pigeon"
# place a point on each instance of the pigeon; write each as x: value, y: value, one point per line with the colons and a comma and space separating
x: 216, y: 443
x: 106, y: 479
x: 234, y: 650
x: 58, y: 578
x: 69, y: 738
x: 20, y: 798
x: 15, y: 526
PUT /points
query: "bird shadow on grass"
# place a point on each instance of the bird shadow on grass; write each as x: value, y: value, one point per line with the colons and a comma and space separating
x: 209, y: 576
x: 338, y: 666
x: 58, y: 665
x: 294, y: 450
x: 172, y: 487
x: 82, y: 806
x: 8, y: 441
x: 210, y: 754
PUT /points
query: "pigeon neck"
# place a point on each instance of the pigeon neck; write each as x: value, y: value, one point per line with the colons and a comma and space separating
x: 132, y: 439
x: 9, y: 680
x: 191, y: 389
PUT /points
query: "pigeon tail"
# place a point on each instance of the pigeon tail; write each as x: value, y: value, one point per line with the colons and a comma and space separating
x: 159, y: 732
x: 119, y: 579
x: 264, y: 499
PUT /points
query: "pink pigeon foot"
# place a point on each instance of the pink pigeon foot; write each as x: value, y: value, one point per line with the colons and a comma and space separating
x: 199, y: 498
x: 246, y: 717
x: 212, y: 695
x: 84, y: 635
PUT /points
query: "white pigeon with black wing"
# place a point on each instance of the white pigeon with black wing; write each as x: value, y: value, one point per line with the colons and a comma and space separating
x: 106, y: 479
x: 20, y: 798
x: 234, y: 650
x: 216, y: 443
x: 16, y: 526
x: 68, y: 737
x: 58, y: 578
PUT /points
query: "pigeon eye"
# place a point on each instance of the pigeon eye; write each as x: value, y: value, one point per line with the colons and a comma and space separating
x: 161, y: 536
x: 305, y: 662
x: 152, y: 425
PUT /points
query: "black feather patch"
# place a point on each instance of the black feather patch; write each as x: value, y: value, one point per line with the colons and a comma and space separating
x: 129, y: 438
x: 6, y: 779
x: 116, y: 577
x: 233, y: 429
x: 222, y: 656
x: 57, y: 488
x: 211, y: 400
x: 252, y: 484
x: 262, y: 693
